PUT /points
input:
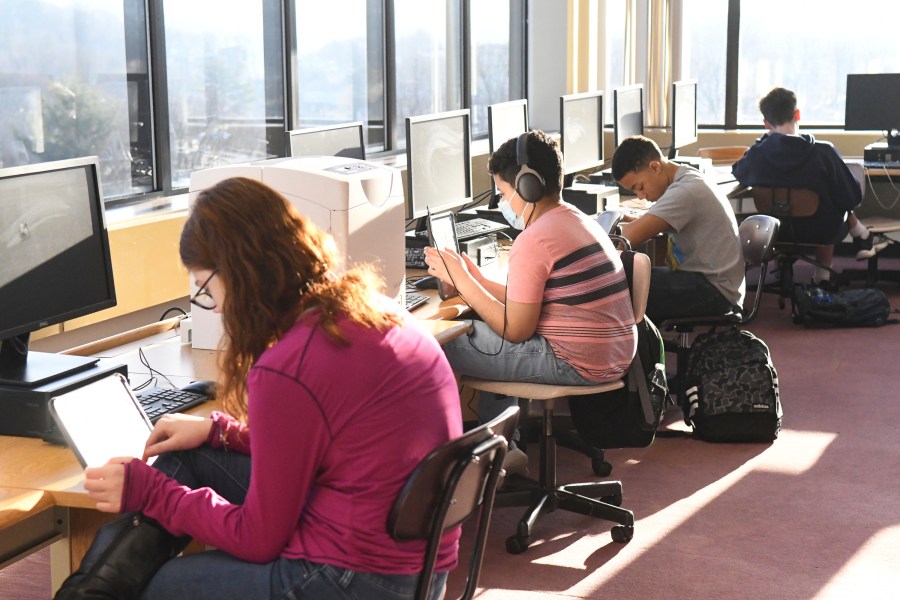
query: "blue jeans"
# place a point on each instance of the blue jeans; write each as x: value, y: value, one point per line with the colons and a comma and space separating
x: 216, y: 574
x: 683, y: 294
x: 484, y: 354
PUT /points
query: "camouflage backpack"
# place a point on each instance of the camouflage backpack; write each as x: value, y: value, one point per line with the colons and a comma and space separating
x: 732, y: 388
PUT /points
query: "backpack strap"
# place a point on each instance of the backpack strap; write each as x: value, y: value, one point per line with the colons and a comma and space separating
x: 637, y: 375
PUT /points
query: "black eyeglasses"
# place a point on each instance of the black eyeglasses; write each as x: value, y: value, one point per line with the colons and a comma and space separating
x: 202, y: 298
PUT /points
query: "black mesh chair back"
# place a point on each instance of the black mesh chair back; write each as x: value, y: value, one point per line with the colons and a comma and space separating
x: 791, y: 206
x: 450, y: 485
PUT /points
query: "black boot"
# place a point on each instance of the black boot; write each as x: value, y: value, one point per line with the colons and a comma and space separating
x: 139, y: 547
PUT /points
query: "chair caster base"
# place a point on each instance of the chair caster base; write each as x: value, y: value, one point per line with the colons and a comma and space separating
x: 615, y: 500
x: 622, y: 534
x: 516, y: 544
x: 601, y: 467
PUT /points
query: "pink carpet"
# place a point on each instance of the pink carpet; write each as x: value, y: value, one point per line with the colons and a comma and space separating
x: 814, y: 515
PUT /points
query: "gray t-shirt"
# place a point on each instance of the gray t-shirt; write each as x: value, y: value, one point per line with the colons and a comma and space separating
x: 703, y: 232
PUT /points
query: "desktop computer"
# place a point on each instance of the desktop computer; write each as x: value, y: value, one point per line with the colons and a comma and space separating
x: 881, y: 154
x: 359, y: 203
x: 24, y: 411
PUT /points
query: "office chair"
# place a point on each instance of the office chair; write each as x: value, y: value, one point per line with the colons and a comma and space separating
x: 601, y: 500
x: 789, y: 205
x: 451, y: 484
x: 609, y: 220
x: 757, y: 234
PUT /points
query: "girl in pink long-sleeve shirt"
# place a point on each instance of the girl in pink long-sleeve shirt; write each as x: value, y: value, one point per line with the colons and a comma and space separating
x: 332, y: 396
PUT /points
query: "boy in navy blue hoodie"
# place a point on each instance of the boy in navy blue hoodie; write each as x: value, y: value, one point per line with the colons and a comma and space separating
x: 785, y: 158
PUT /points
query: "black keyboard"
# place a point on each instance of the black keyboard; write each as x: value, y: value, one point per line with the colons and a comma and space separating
x: 415, y: 258
x: 477, y: 227
x: 414, y: 300
x: 158, y: 401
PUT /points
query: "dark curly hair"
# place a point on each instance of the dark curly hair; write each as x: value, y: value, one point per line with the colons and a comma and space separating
x: 544, y: 157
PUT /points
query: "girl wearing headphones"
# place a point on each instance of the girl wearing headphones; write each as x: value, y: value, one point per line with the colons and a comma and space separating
x: 564, y: 315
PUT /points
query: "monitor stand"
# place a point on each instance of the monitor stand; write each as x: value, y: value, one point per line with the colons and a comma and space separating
x: 21, y: 368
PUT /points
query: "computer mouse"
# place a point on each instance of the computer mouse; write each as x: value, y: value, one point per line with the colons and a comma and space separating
x: 201, y: 386
x: 428, y: 282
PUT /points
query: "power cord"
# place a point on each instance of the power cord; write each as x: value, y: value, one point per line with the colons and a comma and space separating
x: 877, y: 197
x: 183, y: 312
x: 143, y: 358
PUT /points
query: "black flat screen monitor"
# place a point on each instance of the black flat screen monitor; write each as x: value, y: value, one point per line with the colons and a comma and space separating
x: 506, y: 120
x: 344, y: 139
x: 438, y: 162
x: 55, y: 262
x: 684, y: 115
x: 581, y: 131
x: 628, y: 112
x: 873, y: 104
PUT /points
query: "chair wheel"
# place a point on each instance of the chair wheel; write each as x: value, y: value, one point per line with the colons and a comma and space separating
x: 516, y: 544
x: 620, y: 534
x: 615, y: 499
x: 601, y: 467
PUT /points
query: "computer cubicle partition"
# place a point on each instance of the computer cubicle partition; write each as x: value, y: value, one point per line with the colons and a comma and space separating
x: 628, y: 112
x: 342, y: 139
x: 438, y: 162
x: 506, y: 120
x: 684, y: 115
x: 581, y: 131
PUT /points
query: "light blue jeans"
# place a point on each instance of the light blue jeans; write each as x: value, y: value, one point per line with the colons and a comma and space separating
x: 484, y: 354
x: 218, y: 575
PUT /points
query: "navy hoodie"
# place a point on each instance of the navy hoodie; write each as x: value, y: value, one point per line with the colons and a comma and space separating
x: 799, y: 161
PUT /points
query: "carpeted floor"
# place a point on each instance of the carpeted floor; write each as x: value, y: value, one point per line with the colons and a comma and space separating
x: 816, y: 514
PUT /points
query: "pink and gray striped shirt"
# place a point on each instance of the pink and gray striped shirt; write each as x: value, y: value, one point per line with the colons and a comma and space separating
x: 566, y: 262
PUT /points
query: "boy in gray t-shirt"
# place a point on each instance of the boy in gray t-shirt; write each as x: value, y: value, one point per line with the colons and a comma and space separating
x: 705, y: 272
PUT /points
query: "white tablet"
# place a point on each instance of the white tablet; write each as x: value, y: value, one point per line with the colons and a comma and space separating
x: 102, y: 420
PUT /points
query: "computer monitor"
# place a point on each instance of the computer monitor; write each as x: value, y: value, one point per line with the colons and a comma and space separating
x: 628, y: 112
x: 55, y: 262
x: 506, y: 120
x: 438, y: 162
x: 581, y: 131
x: 684, y: 115
x: 872, y: 104
x: 344, y: 139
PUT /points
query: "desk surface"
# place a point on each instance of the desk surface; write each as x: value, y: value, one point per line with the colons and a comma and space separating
x: 31, y: 464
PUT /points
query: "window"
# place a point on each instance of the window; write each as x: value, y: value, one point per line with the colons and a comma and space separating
x: 216, y: 79
x: 616, y: 51
x: 785, y: 43
x: 73, y: 82
x: 492, y: 56
x: 810, y: 51
x: 428, y: 51
x: 161, y: 89
x: 705, y: 27
x: 340, y: 69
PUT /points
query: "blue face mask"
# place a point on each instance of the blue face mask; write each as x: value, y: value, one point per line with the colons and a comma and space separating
x: 515, y: 221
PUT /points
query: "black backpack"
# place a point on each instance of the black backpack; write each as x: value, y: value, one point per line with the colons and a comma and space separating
x: 629, y: 417
x: 731, y: 388
x: 812, y: 306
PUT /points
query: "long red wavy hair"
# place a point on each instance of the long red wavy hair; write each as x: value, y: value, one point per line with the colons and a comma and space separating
x: 274, y: 265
